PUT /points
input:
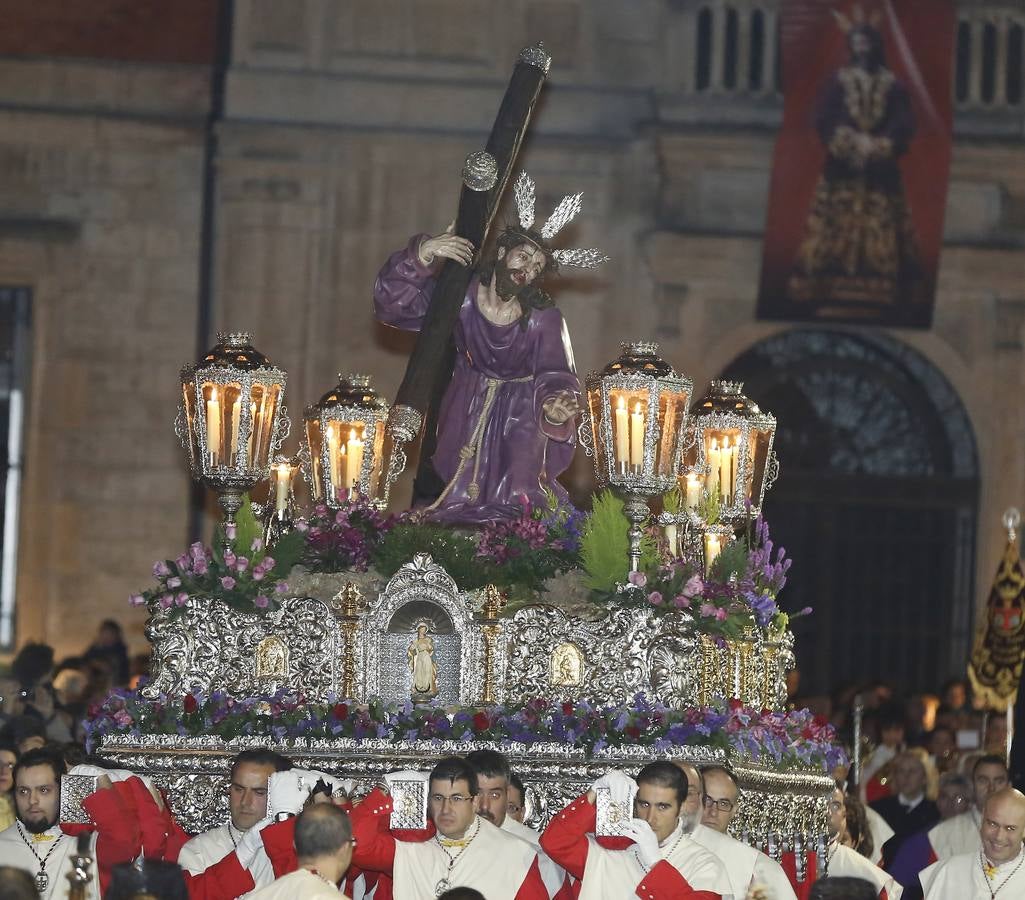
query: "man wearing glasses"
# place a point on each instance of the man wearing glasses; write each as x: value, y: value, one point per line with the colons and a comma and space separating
x: 462, y: 849
x: 751, y: 873
x: 842, y: 860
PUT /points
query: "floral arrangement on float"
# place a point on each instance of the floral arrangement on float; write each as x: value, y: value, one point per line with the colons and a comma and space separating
x: 783, y: 740
x: 587, y: 552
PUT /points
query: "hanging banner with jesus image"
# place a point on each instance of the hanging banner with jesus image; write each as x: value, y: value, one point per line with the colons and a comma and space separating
x: 859, y: 179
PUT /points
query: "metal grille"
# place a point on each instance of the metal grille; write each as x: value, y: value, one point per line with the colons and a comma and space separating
x: 876, y: 504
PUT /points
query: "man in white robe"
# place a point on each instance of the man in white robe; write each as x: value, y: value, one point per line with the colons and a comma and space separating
x: 842, y: 860
x: 323, y: 847
x: 662, y: 863
x: 998, y: 868
x: 960, y: 834
x: 36, y: 842
x: 493, y: 783
x: 752, y: 874
x: 464, y: 850
x: 247, y: 804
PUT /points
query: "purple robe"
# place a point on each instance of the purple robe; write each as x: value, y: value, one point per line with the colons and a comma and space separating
x: 503, y: 374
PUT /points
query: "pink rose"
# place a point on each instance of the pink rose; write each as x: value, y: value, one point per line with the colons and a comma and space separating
x: 637, y: 579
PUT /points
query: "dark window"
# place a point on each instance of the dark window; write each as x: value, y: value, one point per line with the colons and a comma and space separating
x: 729, y: 77
x: 703, y: 58
x: 876, y: 504
x: 989, y: 62
x: 756, y: 58
x: 963, y: 62
x: 15, y: 324
x: 1014, y: 64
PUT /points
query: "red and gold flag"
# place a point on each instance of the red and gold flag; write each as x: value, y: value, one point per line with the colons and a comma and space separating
x: 996, y: 665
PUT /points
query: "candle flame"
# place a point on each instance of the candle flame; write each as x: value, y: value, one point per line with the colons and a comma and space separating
x: 715, y: 443
x: 352, y: 434
x: 637, y: 409
x: 621, y: 404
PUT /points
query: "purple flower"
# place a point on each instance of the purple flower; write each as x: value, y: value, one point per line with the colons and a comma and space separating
x: 200, y: 567
x: 136, y: 600
x: 197, y: 551
x: 260, y: 601
x: 281, y: 587
x: 174, y: 582
x: 181, y: 599
x: 655, y: 598
x: 693, y: 587
x: 301, y: 525
x: 241, y: 563
x: 166, y: 601
x: 160, y: 569
x: 184, y: 562
x: 268, y: 563
x: 681, y: 602
x: 707, y: 609
x: 229, y: 558
x: 637, y: 579
x: 227, y: 582
x: 256, y: 546
x: 258, y: 574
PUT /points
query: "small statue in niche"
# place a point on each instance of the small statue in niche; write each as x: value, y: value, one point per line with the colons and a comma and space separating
x: 271, y: 658
x: 567, y: 665
x: 422, y: 666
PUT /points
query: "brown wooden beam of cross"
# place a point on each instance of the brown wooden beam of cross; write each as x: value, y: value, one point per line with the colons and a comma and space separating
x: 430, y: 364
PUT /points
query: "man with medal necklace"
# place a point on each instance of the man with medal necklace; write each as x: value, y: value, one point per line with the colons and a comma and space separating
x: 464, y: 850
x: 35, y: 841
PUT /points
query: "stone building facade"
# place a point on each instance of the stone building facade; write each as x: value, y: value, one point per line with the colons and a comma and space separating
x: 341, y: 130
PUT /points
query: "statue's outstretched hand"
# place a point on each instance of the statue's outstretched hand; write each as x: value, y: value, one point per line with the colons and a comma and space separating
x: 561, y: 407
x: 447, y: 245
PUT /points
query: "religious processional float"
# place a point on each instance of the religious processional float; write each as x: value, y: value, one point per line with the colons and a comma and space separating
x: 360, y: 643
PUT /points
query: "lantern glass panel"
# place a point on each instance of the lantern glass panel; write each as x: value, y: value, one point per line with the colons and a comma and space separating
x: 231, y: 410
x: 346, y: 449
x: 672, y: 411
x: 722, y: 456
x: 313, y: 438
x: 762, y: 441
x: 217, y: 424
x: 263, y: 407
x: 629, y: 419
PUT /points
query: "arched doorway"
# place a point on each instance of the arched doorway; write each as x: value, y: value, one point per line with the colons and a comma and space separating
x: 876, y: 504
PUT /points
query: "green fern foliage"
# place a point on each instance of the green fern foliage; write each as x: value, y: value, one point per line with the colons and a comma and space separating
x: 605, y: 546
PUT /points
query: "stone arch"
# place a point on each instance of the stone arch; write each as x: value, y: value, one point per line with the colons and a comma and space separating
x: 877, y: 501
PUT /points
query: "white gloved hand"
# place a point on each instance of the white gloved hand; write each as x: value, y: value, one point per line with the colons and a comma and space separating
x: 335, y: 785
x: 288, y: 791
x: 645, y: 842
x: 251, y: 843
x: 621, y: 785
x: 90, y: 771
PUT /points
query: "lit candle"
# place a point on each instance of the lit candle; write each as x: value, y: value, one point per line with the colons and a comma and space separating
x: 725, y: 468
x: 622, y: 436
x: 334, y: 453
x: 355, y: 460
x: 713, y: 466
x: 672, y: 542
x: 282, y: 482
x: 712, y: 548
x: 693, y: 500
x: 637, y: 438
x: 213, y: 426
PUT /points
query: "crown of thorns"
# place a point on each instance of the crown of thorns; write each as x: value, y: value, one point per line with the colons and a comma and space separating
x: 525, y: 195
